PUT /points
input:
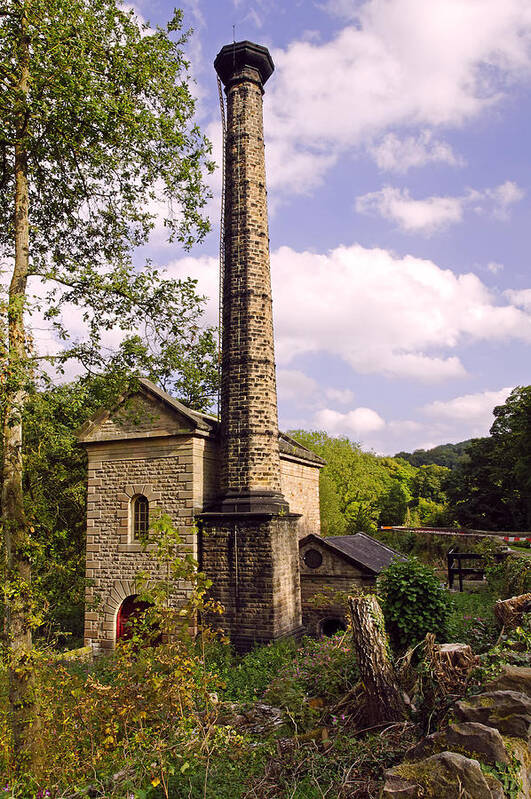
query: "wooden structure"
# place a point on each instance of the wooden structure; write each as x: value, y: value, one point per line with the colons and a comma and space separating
x: 456, y: 569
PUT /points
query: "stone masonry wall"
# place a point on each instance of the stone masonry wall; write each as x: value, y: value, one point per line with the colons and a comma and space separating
x: 300, y: 486
x: 252, y: 562
x: 334, y: 575
x: 248, y: 388
x: 162, y: 471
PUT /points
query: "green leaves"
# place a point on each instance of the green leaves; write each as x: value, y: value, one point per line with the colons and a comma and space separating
x: 492, y: 487
x: 111, y: 143
x: 413, y: 601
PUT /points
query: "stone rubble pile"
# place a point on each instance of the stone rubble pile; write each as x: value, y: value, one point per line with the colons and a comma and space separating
x: 492, y: 728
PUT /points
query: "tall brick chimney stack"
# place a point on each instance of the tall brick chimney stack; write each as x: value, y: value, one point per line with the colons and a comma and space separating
x: 248, y: 540
x: 250, y: 475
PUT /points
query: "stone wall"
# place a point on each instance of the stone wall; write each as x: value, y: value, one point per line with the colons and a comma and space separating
x: 118, y: 471
x: 253, y: 562
x: 300, y: 486
x: 334, y: 575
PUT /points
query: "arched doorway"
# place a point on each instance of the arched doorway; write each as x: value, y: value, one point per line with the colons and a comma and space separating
x: 332, y: 626
x: 129, y: 611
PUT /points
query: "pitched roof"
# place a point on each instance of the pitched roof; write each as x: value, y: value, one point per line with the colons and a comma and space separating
x: 288, y: 446
x: 201, y: 421
x: 360, y: 549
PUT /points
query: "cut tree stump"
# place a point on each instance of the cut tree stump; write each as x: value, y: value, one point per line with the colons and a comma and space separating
x: 509, y: 611
x: 383, y: 698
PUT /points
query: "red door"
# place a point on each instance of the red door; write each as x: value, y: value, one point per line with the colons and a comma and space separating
x: 130, y: 609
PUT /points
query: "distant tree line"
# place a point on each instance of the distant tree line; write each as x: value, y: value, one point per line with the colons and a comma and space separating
x: 482, y: 483
x: 449, y: 455
x: 361, y: 491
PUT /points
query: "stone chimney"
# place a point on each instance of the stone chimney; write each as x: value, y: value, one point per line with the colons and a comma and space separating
x: 248, y: 540
x: 250, y: 472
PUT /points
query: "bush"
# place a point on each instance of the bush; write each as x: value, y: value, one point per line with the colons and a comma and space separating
x: 413, y: 601
x: 509, y: 578
x: 245, y: 679
x: 324, y: 668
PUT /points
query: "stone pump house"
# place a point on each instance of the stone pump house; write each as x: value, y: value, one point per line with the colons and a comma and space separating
x: 241, y: 493
x: 152, y: 453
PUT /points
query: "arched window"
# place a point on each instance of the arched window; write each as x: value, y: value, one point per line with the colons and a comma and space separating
x: 139, y: 517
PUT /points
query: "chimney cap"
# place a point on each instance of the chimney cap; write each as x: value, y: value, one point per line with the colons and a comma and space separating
x: 233, y: 57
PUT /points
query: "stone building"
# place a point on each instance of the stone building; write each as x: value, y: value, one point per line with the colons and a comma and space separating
x: 151, y: 452
x: 241, y: 494
x: 331, y: 568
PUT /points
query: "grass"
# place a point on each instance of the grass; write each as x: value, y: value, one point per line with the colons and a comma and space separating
x: 472, y: 618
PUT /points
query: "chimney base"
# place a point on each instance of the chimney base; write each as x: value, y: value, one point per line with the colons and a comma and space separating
x: 266, y: 502
x: 253, y: 561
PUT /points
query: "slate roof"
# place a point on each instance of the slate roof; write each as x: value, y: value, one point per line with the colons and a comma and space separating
x: 360, y: 549
x: 203, y: 421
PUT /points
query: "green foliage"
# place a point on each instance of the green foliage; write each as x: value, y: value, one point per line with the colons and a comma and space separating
x: 491, y: 489
x: 246, y: 678
x: 510, y: 577
x: 394, y: 504
x: 447, y: 455
x: 108, y: 143
x: 413, y: 602
x: 508, y: 775
x: 324, y: 668
x: 512, y: 647
x: 360, y: 490
x: 138, y: 705
x: 472, y: 620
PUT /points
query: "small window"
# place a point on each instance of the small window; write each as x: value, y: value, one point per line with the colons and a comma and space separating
x: 312, y: 558
x: 140, y: 508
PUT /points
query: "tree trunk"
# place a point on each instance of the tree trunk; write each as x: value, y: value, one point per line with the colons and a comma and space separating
x: 384, y: 702
x: 14, y: 525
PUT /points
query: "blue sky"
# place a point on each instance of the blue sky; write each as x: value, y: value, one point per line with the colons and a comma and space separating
x: 399, y: 182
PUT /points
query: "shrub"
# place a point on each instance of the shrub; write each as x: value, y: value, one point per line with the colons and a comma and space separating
x: 246, y: 678
x: 413, y: 601
x: 510, y: 577
x: 322, y: 668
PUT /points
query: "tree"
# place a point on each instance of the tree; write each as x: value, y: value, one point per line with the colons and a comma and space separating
x: 55, y: 470
x: 353, y: 481
x: 96, y: 133
x: 394, y: 504
x: 492, y: 487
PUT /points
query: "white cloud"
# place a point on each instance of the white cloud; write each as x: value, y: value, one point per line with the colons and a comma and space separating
x: 356, y: 423
x: 341, y: 396
x: 394, y: 154
x: 295, y: 386
x: 474, y: 409
x: 398, y: 64
x: 381, y: 314
x: 495, y: 267
x: 413, y: 216
x: 456, y: 419
x: 521, y: 298
x: 504, y: 196
x: 433, y: 214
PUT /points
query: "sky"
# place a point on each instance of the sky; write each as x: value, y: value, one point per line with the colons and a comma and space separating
x: 399, y: 186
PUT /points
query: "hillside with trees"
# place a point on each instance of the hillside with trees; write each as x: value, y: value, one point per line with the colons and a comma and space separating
x: 448, y: 455
x: 361, y: 491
